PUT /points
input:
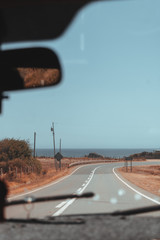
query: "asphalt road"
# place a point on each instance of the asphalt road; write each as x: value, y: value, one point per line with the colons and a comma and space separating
x: 111, y: 193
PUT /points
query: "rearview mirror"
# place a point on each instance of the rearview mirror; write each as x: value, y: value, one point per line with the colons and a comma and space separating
x: 28, y: 68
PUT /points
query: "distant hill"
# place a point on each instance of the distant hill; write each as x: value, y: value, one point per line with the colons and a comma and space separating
x: 147, y: 155
x: 94, y: 155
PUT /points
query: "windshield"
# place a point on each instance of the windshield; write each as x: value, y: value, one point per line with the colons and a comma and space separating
x: 103, y: 118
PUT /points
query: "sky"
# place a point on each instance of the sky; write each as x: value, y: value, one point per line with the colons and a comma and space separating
x: 109, y: 93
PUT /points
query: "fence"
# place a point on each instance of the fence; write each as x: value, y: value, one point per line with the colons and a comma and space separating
x: 47, y: 165
x: 91, y: 162
x: 16, y: 172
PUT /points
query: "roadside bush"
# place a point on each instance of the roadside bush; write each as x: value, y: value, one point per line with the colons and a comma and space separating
x: 147, y: 155
x: 34, y: 163
x: 19, y: 163
x: 18, y: 154
x: 4, y: 166
x: 11, y: 149
x: 156, y: 155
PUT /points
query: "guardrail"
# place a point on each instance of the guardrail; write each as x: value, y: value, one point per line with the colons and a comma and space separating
x: 92, y: 161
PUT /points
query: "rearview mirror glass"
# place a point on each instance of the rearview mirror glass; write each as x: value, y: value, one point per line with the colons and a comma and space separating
x: 28, y: 68
x: 39, y: 77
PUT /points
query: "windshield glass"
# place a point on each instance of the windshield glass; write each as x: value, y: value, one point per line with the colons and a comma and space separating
x: 104, y: 114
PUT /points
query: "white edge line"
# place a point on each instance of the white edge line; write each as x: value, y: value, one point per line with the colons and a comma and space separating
x: 151, y: 199
x: 38, y: 189
x: 60, y: 211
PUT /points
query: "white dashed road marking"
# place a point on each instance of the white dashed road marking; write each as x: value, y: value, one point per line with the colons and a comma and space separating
x: 79, y: 191
x: 61, y: 204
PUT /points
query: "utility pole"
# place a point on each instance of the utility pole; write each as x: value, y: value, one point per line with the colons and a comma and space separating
x: 60, y: 152
x: 34, y: 145
x: 52, y: 130
x: 60, y: 146
x: 131, y: 164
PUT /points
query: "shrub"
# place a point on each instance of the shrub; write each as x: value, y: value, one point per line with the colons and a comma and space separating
x: 25, y: 163
x: 32, y: 162
x: 3, y: 165
x: 17, y: 153
x: 19, y: 163
x: 11, y: 149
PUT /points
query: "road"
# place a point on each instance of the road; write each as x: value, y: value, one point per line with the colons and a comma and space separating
x: 110, y: 194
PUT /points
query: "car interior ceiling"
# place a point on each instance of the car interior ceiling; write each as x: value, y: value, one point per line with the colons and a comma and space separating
x: 27, y: 22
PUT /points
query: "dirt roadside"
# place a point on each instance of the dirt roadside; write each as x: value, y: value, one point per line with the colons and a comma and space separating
x: 32, y: 181
x: 145, y: 177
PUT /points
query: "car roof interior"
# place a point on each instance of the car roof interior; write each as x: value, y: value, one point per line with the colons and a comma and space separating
x: 36, y: 20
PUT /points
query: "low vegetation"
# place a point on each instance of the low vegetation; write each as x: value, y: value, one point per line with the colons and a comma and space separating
x: 16, y: 157
x: 12, y: 148
x: 94, y: 155
x: 147, y: 155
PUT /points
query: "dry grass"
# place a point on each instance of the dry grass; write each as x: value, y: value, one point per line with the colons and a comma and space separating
x: 146, y: 177
x: 32, y: 181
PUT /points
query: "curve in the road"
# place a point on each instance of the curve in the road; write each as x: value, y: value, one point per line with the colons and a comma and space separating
x: 111, y: 193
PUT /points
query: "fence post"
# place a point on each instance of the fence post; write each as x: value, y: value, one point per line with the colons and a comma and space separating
x: 126, y: 165
x: 16, y: 171
x: 1, y: 173
x: 60, y: 164
x: 21, y: 172
x: 131, y: 165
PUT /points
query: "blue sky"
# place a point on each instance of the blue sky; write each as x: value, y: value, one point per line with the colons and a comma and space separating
x: 109, y: 96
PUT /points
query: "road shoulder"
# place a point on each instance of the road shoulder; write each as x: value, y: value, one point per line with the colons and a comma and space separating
x: 134, y: 185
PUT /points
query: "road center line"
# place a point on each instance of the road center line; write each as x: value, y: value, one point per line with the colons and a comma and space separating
x: 79, y: 189
x: 61, y: 204
x: 61, y: 210
x: 143, y: 195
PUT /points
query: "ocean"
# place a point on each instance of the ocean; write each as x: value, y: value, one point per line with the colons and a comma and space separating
x: 113, y: 153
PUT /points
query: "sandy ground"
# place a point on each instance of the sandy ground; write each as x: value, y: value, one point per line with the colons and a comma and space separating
x: 146, y: 177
